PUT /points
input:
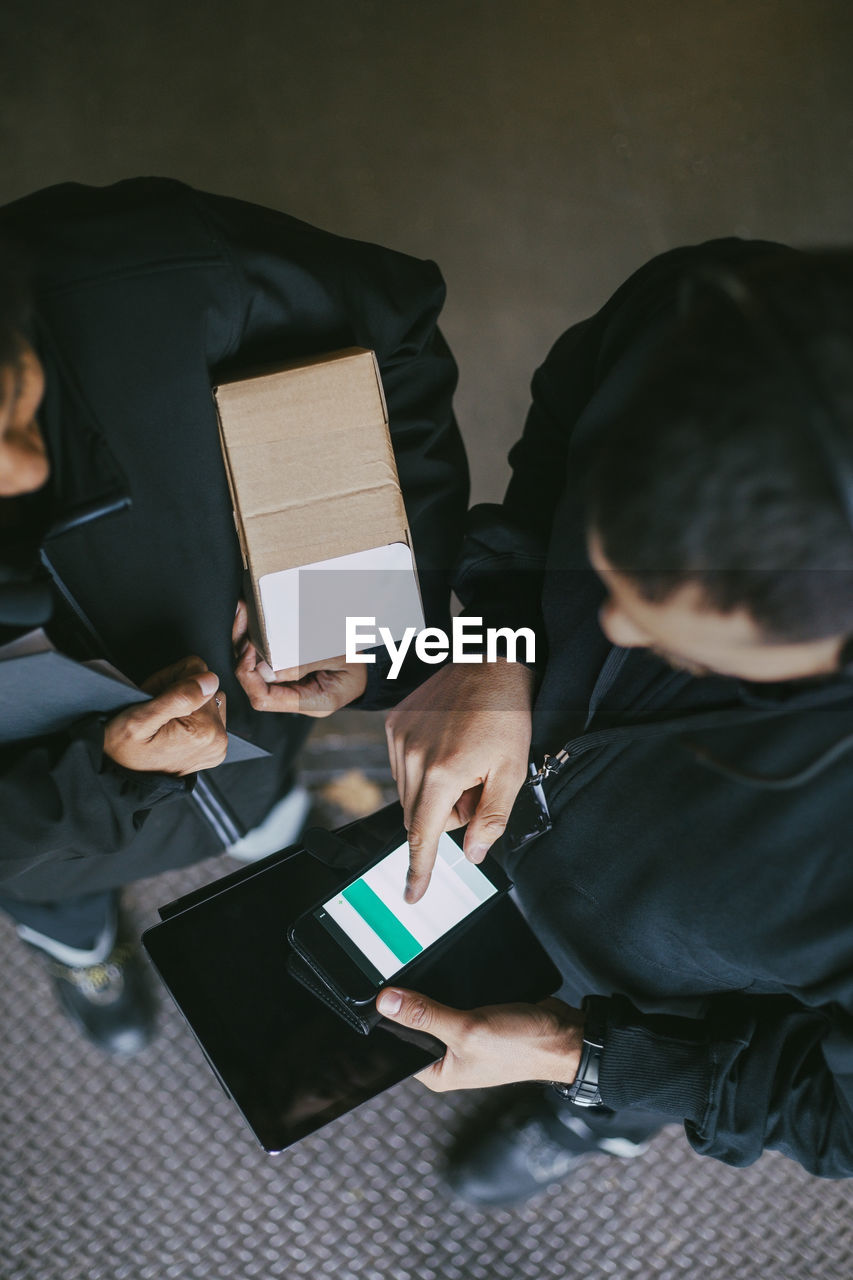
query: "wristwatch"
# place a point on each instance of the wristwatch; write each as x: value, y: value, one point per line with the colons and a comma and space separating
x: 584, y: 1090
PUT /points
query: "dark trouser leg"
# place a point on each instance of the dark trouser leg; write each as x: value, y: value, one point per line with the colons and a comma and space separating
x: 76, y: 930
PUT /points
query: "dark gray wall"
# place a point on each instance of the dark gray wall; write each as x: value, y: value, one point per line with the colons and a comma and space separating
x: 537, y: 150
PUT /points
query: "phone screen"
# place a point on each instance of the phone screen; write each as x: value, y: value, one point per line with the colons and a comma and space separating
x: 380, y: 931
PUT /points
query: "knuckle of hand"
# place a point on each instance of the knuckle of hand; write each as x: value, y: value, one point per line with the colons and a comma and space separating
x: 454, y: 755
x: 414, y: 753
x: 419, y: 1015
x: 416, y: 842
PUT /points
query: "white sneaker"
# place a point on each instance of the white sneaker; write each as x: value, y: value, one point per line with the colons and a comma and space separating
x: 281, y: 827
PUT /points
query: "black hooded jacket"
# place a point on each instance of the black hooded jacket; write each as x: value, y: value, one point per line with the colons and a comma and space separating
x: 698, y: 878
x: 146, y: 292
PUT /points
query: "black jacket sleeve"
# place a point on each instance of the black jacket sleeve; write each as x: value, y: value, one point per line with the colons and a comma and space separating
x: 60, y: 797
x: 500, y: 572
x: 336, y: 293
x: 755, y: 1072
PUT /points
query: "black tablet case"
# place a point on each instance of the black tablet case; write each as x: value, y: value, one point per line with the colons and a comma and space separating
x: 289, y: 1062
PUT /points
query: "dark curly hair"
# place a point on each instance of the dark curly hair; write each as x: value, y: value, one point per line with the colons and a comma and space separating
x: 732, y: 465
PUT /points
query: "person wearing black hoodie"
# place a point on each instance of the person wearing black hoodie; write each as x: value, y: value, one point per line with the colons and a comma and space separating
x: 117, y: 534
x: 678, y: 531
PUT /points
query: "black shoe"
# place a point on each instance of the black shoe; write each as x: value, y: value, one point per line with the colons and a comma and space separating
x: 525, y: 1149
x: 112, y: 1002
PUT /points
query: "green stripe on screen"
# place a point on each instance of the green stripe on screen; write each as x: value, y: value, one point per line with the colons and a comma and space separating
x: 382, y: 921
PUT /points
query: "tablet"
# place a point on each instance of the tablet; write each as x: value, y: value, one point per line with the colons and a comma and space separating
x: 290, y: 1064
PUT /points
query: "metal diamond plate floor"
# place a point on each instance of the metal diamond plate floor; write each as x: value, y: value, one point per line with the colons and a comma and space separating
x: 144, y: 1171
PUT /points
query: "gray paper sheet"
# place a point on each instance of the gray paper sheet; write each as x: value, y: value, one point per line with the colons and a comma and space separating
x: 43, y: 693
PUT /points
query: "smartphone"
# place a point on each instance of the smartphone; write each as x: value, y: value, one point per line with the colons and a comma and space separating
x: 367, y: 935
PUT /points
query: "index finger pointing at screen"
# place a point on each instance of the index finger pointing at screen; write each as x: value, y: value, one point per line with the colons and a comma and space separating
x: 430, y: 817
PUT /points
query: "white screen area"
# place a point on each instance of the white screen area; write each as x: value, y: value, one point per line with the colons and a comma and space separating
x: 390, y: 932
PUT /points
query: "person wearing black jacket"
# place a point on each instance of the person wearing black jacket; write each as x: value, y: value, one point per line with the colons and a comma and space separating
x: 678, y: 531
x: 117, y: 531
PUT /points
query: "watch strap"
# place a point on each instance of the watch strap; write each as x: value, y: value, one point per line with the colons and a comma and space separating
x: 584, y: 1091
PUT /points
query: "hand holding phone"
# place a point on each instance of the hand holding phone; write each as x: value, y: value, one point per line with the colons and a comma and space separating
x: 367, y: 933
x: 494, y: 1045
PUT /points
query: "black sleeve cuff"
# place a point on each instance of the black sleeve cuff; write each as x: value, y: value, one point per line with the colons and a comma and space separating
x: 146, y: 789
x: 654, y: 1062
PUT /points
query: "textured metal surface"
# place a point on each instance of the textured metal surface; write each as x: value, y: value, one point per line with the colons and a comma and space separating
x: 144, y: 1171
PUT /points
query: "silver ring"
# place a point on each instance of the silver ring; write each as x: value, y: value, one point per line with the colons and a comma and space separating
x: 217, y: 700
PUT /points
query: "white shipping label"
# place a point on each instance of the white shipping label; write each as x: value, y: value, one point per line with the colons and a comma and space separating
x: 305, y: 609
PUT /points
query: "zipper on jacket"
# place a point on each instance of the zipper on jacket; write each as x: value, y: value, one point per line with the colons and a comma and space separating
x: 679, y: 726
x: 553, y: 764
x: 550, y: 765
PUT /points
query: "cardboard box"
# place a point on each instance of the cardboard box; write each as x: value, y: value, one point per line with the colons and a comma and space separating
x: 317, y: 505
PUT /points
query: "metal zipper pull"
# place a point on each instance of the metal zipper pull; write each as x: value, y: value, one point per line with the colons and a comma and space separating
x: 530, y: 817
x: 550, y: 765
